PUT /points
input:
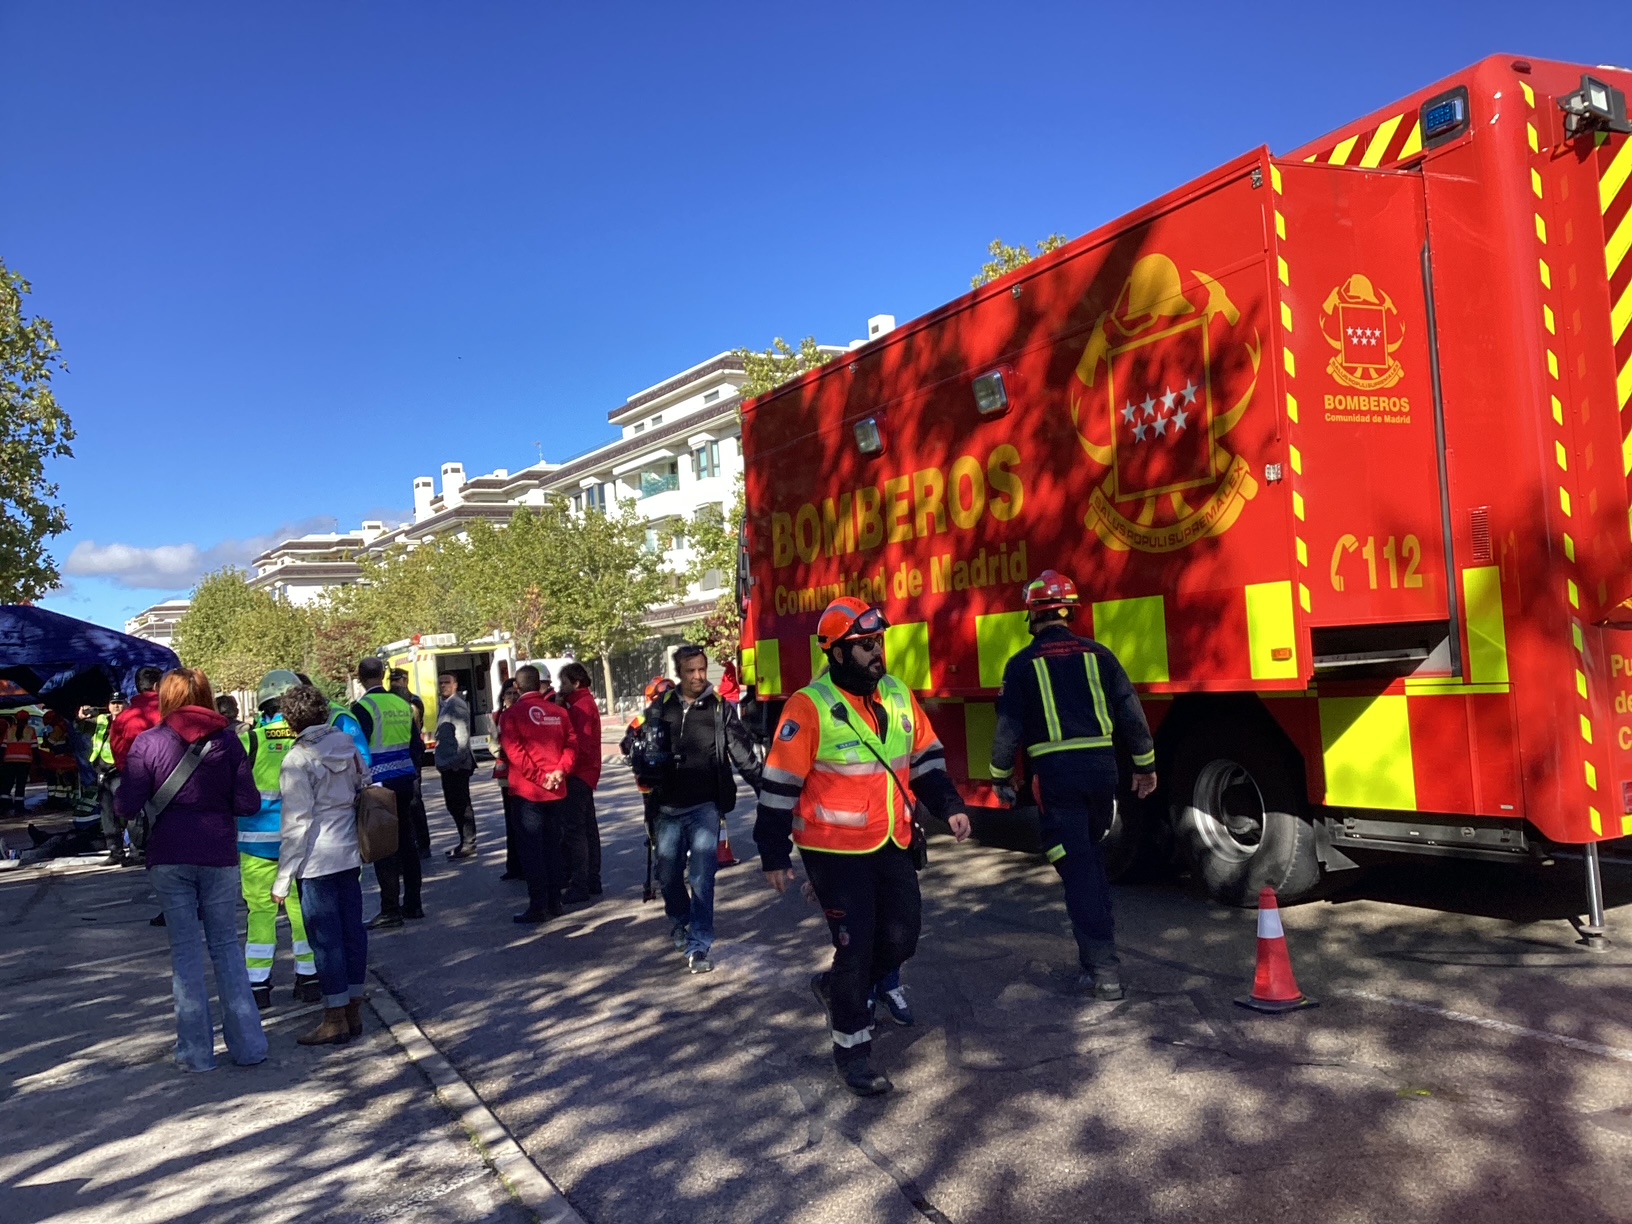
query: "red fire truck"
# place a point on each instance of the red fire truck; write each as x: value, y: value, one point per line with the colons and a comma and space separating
x: 1334, y: 444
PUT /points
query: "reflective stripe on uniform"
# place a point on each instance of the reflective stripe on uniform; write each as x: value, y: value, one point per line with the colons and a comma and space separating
x: 1001, y: 775
x: 1045, y: 691
x: 850, y: 1041
x: 782, y: 803
x: 773, y: 774
x: 273, y: 835
x: 1145, y: 760
x: 1070, y: 745
x: 1101, y: 712
x: 1055, y: 853
x: 832, y: 816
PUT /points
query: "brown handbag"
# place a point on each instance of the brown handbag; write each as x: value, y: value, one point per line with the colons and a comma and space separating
x: 376, y: 823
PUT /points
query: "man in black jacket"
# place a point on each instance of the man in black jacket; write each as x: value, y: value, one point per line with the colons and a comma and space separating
x: 693, y: 794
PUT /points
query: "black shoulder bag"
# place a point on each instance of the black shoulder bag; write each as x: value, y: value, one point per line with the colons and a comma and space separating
x: 141, y: 828
x: 920, y: 839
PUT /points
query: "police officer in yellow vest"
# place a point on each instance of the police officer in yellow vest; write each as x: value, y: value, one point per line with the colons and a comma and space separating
x: 387, y: 723
x: 852, y: 752
x: 260, y: 838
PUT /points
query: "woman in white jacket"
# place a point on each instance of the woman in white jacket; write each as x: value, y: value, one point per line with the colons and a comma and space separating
x: 322, y: 774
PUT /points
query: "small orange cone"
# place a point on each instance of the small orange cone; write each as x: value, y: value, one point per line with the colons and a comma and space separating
x: 724, y: 857
x: 1274, y: 989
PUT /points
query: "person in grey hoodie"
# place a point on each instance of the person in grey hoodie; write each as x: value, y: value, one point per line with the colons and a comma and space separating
x: 322, y: 774
x: 456, y: 763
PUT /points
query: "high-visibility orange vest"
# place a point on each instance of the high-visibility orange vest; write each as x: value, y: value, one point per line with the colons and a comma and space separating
x: 850, y: 804
x: 20, y: 746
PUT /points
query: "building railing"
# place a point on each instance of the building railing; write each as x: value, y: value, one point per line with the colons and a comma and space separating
x: 653, y: 483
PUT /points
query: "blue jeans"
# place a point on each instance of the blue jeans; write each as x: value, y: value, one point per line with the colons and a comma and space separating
x: 333, y: 906
x: 696, y: 830
x: 188, y: 893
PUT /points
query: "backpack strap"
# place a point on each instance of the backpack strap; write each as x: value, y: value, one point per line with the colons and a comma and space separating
x: 178, y: 778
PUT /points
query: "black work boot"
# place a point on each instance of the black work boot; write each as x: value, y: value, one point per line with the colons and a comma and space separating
x: 856, y: 1070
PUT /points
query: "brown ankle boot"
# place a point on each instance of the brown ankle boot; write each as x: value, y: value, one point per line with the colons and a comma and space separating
x: 332, y: 1031
x: 354, y: 1018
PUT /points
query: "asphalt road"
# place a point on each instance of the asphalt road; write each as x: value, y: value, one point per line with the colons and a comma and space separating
x: 1468, y: 1061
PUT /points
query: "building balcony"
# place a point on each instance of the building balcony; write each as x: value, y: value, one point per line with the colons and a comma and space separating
x: 653, y: 483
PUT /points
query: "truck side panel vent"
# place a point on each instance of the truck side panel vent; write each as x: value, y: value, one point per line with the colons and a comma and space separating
x: 1479, y: 521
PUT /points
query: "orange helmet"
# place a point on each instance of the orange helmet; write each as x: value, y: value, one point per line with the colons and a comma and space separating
x: 1050, y: 589
x: 848, y: 618
x: 658, y: 686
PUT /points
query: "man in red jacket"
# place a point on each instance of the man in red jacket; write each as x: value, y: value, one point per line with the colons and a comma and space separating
x: 537, y: 738
x: 140, y: 715
x: 581, y: 835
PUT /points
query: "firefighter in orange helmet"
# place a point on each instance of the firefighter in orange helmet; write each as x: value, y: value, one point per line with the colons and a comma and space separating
x: 1066, y: 702
x: 852, y: 752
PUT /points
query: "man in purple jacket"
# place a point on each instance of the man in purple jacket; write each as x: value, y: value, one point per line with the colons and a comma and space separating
x: 192, y: 855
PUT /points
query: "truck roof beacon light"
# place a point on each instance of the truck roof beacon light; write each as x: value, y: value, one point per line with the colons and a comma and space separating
x: 1595, y: 107
x: 991, y: 396
x: 869, y: 441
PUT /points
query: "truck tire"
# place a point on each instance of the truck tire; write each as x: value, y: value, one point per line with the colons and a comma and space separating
x: 1239, y: 812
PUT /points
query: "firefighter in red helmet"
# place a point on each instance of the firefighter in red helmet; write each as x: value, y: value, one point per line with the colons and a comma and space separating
x: 851, y: 754
x: 1067, y: 703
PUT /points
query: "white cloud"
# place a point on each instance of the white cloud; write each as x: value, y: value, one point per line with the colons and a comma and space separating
x: 174, y: 567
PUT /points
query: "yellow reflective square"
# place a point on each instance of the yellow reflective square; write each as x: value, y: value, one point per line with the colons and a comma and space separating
x: 1136, y: 632
x: 998, y: 638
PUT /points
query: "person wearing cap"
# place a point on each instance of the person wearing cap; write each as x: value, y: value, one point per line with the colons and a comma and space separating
x: 107, y: 779
x: 260, y: 839
x: 1068, y: 703
x: 853, y: 755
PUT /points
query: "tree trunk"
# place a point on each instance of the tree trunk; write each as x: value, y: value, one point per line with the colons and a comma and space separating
x: 606, y: 671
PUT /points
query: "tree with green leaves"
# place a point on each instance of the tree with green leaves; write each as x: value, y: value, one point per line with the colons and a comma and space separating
x: 33, y: 429
x: 779, y: 363
x: 606, y: 578
x: 715, y: 539
x: 1005, y: 258
x: 237, y: 633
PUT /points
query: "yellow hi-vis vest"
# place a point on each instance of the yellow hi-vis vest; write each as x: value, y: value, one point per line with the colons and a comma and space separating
x: 850, y: 804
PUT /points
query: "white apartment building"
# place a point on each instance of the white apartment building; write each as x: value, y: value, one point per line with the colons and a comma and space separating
x: 158, y: 623
x: 678, y: 454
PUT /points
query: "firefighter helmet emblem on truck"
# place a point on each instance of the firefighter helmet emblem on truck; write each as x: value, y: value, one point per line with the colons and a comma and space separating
x: 1365, y: 331
x: 1143, y: 408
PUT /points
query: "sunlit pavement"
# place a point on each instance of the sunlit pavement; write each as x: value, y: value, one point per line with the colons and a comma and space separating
x: 1468, y: 1061
x: 98, y: 1125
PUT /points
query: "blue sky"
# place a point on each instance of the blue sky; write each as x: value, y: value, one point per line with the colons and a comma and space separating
x: 297, y: 254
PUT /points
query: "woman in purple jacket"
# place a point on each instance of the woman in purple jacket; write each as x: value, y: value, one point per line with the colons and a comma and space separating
x: 192, y: 853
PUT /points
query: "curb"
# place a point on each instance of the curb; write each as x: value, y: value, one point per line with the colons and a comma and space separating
x: 524, y: 1179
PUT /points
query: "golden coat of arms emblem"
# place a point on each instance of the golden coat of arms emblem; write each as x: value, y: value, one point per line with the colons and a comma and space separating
x: 1144, y: 406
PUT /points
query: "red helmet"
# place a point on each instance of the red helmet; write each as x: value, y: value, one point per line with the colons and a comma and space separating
x: 658, y: 686
x: 848, y: 618
x: 1050, y: 589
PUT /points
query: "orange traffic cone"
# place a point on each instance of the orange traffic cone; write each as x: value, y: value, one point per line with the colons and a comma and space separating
x: 1274, y: 989
x: 725, y: 858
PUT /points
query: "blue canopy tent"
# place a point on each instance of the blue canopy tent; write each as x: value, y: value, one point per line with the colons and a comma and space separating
x: 65, y: 663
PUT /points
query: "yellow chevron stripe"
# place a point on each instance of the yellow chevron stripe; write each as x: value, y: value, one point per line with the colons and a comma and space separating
x: 1626, y: 455
x: 1379, y: 143
x: 1530, y: 135
x: 1569, y: 548
x: 1615, y: 177
x: 1541, y: 229
x: 1340, y: 155
x: 1529, y: 94
x: 1275, y: 178
x: 1621, y: 313
x: 1292, y: 407
x: 1413, y: 142
x: 1286, y: 316
x: 1535, y: 182
x: 1285, y: 272
x: 1615, y: 249
x: 1561, y: 456
x: 1623, y: 384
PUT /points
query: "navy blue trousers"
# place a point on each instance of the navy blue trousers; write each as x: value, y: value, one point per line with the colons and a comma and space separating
x: 1077, y: 804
